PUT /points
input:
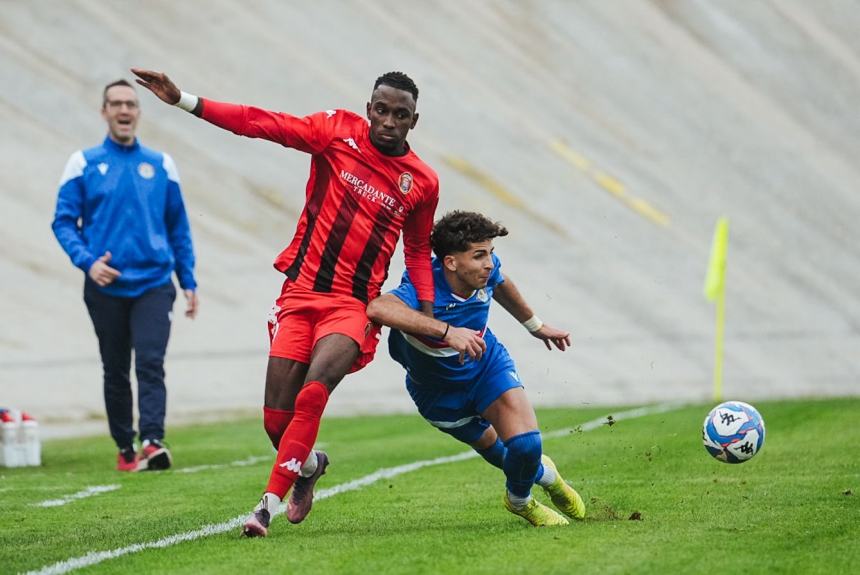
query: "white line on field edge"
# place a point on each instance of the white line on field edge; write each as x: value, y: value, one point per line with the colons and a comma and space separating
x: 238, y: 463
x: 99, y: 489
x: 385, y: 473
x: 88, y: 492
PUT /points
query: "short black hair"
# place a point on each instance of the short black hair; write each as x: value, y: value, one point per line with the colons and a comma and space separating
x: 398, y: 80
x: 456, y: 230
x: 120, y: 82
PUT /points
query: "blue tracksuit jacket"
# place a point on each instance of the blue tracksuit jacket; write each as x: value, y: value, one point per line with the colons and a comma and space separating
x: 125, y: 200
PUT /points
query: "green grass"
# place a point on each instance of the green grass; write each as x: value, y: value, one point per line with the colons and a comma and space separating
x: 794, y: 508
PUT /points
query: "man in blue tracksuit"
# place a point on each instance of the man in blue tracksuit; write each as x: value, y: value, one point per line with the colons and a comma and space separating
x: 121, y: 219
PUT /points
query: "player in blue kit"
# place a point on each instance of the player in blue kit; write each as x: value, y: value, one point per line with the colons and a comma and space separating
x: 474, y: 393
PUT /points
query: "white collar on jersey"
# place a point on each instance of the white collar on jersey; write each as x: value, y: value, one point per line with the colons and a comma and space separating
x: 458, y: 298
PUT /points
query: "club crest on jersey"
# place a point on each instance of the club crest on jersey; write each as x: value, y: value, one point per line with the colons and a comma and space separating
x: 145, y: 170
x: 482, y: 295
x: 405, y: 182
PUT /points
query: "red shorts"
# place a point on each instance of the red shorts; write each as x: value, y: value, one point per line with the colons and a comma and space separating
x: 300, y: 318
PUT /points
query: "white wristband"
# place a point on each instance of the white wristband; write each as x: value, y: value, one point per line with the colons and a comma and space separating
x: 187, y: 101
x: 533, y: 324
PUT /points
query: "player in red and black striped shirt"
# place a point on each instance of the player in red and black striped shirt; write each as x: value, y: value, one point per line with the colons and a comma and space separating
x: 365, y: 186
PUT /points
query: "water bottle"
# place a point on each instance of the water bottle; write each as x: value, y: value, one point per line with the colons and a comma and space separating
x: 9, y: 440
x: 30, y: 436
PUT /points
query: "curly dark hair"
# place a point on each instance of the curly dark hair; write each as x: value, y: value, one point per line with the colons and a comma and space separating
x: 397, y: 80
x: 456, y: 230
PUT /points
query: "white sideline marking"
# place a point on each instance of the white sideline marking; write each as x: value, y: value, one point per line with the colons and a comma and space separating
x: 88, y: 492
x: 401, y: 469
x: 385, y: 473
x: 629, y: 414
x: 238, y: 463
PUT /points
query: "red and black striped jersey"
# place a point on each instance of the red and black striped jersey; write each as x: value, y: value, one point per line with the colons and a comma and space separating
x: 357, y: 201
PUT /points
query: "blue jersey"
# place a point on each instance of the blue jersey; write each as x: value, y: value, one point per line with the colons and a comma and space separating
x: 430, y: 361
x: 125, y: 200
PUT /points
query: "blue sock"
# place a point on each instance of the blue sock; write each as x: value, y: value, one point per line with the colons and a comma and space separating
x: 522, y: 462
x: 494, y: 454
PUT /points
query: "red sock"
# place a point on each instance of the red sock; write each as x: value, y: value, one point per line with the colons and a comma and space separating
x: 275, y: 421
x: 299, y: 438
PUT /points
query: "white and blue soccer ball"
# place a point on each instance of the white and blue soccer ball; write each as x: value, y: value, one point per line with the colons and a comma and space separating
x: 733, y: 432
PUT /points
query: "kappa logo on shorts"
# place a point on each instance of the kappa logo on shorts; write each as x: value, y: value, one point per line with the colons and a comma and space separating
x: 405, y: 182
x: 293, y: 465
x: 146, y: 171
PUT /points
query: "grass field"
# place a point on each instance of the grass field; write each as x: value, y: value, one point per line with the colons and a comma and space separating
x: 794, y: 508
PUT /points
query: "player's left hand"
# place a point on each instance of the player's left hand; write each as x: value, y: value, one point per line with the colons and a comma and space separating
x: 158, y: 83
x: 549, y: 334
x: 191, y: 303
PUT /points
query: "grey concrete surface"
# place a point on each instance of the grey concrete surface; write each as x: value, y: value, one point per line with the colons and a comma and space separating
x: 608, y: 137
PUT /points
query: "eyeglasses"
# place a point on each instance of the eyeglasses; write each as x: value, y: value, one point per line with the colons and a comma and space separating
x: 117, y: 104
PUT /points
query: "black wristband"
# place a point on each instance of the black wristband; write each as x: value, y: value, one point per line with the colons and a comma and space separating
x: 447, y: 326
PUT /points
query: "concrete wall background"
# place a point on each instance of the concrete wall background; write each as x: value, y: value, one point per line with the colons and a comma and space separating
x: 532, y: 112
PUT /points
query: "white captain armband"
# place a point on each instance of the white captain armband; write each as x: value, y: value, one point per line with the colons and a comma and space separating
x: 187, y: 101
x: 533, y: 324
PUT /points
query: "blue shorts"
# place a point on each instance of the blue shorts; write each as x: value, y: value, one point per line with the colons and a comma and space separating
x: 456, y: 408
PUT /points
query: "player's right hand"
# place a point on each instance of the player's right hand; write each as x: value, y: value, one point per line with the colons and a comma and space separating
x: 466, y: 341
x: 192, y: 303
x: 101, y: 272
x: 158, y: 83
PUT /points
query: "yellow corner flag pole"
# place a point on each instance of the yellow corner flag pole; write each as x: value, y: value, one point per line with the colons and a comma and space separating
x: 715, y: 289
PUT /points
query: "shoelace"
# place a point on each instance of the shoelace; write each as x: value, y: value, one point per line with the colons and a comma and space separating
x: 263, y: 516
x: 301, y: 487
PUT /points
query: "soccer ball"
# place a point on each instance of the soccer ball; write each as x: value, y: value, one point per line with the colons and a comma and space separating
x: 733, y: 432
